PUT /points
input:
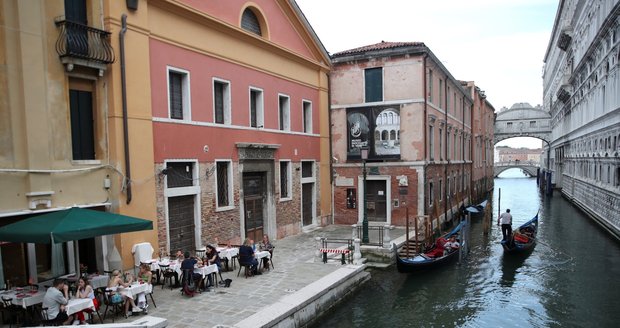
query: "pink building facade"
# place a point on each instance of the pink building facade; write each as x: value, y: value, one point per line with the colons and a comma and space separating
x: 239, y: 101
x: 398, y: 100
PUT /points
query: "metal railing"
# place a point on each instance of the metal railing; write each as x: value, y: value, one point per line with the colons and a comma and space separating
x: 375, y: 235
x: 84, y: 42
x: 338, y: 243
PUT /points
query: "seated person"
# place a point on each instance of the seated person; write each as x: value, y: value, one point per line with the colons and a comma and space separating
x: 145, y: 276
x: 85, y: 290
x: 246, y: 256
x: 212, y: 257
x: 265, y: 245
x: 451, y: 244
x: 55, y: 300
x: 180, y: 255
x: 188, y: 264
x: 438, y: 250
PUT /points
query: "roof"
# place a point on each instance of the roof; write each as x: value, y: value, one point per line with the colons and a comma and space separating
x: 383, y: 45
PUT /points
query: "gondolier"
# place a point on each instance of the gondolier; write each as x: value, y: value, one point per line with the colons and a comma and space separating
x: 505, y: 219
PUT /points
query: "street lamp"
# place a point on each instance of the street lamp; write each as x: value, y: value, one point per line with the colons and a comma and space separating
x: 364, y: 156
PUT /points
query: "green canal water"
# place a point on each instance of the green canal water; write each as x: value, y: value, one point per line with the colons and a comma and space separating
x: 571, y: 279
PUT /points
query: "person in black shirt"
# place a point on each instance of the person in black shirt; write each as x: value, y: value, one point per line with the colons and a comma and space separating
x: 246, y: 256
x: 188, y: 264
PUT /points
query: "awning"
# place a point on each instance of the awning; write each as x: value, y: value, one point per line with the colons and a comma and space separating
x: 70, y: 224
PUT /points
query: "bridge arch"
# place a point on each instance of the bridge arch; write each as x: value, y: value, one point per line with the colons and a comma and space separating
x: 530, y: 170
x: 522, y: 120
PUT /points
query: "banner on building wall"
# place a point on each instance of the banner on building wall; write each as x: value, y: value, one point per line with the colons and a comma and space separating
x: 375, y: 127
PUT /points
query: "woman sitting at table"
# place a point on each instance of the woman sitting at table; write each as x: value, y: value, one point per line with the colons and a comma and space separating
x: 117, y: 282
x: 212, y: 258
x: 188, y: 264
x: 246, y: 256
x: 145, y: 276
x: 265, y: 245
x: 85, y: 290
x: 55, y: 300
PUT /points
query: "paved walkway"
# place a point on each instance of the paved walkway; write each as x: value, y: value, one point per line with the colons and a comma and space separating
x: 295, y: 267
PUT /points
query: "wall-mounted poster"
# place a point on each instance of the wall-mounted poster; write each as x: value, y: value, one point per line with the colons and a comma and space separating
x: 375, y: 127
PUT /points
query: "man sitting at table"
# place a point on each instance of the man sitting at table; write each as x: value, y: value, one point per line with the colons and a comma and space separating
x: 188, y: 264
x: 246, y: 256
x: 55, y: 300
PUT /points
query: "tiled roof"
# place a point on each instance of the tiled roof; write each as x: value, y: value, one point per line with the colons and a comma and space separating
x: 379, y: 46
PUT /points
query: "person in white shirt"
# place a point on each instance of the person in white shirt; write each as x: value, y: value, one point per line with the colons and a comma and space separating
x: 505, y: 219
x: 451, y: 244
x: 55, y: 300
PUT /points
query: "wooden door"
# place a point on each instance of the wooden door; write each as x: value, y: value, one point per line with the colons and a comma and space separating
x: 376, y: 203
x: 306, y: 205
x: 181, y: 223
x: 253, y: 200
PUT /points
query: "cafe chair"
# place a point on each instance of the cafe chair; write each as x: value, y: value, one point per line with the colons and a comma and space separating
x: 167, y: 273
x: 11, y: 311
x: 45, y: 319
x: 115, y: 306
x: 246, y: 266
x: 201, y: 252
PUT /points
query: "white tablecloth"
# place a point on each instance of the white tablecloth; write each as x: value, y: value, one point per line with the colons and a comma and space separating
x: 261, y: 254
x: 228, y: 253
x: 98, y: 281
x: 28, y: 299
x: 134, y: 289
x: 78, y: 304
x: 206, y: 270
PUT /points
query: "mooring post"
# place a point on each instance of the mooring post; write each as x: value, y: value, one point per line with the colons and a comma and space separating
x: 354, y: 233
x: 386, y: 236
x: 357, y: 255
x: 319, y: 242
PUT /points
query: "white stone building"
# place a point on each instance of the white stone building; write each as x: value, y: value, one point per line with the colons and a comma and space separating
x: 581, y: 83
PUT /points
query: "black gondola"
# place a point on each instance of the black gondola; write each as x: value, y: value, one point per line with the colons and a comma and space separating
x: 421, y: 261
x: 522, y: 239
x: 477, y: 210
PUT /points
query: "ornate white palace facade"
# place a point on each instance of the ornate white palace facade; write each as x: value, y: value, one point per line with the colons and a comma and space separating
x: 581, y: 82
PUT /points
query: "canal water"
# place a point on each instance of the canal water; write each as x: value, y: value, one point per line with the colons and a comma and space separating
x: 571, y: 279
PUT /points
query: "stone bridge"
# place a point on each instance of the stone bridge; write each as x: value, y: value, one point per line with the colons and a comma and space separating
x: 528, y: 167
x: 522, y: 120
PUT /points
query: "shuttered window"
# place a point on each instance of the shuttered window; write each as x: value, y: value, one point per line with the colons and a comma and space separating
x: 175, y: 84
x: 249, y: 22
x: 82, y: 125
x: 218, y: 93
x: 374, y: 84
x: 284, y: 180
x: 223, y: 184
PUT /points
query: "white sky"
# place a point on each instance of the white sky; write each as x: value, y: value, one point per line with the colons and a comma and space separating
x: 499, y: 44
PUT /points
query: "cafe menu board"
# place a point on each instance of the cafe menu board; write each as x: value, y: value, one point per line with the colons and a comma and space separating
x: 377, y: 128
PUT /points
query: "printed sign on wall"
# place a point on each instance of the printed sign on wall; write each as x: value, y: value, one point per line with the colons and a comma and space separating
x: 375, y: 127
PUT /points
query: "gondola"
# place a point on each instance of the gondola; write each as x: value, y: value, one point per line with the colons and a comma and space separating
x: 523, y: 239
x: 477, y: 211
x: 422, y: 261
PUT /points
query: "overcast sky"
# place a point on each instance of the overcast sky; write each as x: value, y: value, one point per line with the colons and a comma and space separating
x: 499, y: 44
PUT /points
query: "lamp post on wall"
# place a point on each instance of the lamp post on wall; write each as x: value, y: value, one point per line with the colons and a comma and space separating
x: 364, y: 156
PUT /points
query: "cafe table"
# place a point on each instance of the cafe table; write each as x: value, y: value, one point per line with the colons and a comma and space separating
x: 259, y: 255
x: 228, y: 253
x: 24, y: 297
x: 132, y: 290
x: 76, y: 305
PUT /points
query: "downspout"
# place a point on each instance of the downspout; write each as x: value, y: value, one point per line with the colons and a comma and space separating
x: 124, y: 98
x: 445, y: 174
x: 425, y: 96
x: 331, y: 156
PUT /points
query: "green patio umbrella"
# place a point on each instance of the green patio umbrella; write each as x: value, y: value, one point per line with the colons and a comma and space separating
x: 69, y: 225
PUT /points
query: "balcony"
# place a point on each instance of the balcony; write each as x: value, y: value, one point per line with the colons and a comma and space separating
x: 79, y: 45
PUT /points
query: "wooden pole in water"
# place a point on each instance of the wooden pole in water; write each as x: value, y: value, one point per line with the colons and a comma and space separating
x: 407, y: 231
x: 415, y: 230
x: 499, y: 204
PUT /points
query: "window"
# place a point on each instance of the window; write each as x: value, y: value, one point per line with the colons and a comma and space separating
x: 256, y: 108
x: 430, y: 85
x: 284, y: 105
x: 430, y: 193
x: 221, y: 101
x: 440, y: 93
x: 373, y: 78
x: 307, y: 116
x: 179, y: 174
x: 440, y: 143
x: 82, y: 124
x: 307, y: 169
x: 178, y: 94
x: 509, y: 125
x: 285, y: 179
x: 250, y: 22
x: 448, y: 187
x: 532, y: 124
x: 224, y: 184
x: 454, y: 147
x: 448, y: 101
x: 440, y: 189
x: 431, y: 144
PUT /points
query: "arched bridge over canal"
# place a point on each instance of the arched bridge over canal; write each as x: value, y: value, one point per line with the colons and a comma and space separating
x: 522, y: 120
x: 528, y: 167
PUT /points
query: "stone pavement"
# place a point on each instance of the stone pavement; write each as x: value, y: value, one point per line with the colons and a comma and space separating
x: 295, y: 267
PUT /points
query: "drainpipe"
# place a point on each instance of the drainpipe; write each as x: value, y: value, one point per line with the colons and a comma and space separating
x: 425, y: 96
x: 124, y: 97
x: 445, y: 174
x: 331, y: 151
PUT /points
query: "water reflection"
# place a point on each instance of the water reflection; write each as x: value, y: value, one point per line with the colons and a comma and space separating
x: 570, y: 279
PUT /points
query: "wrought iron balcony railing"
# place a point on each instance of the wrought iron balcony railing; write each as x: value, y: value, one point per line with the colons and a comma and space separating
x: 79, y: 41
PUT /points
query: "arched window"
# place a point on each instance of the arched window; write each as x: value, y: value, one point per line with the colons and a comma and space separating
x: 384, y: 135
x: 392, y: 135
x: 250, y: 22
